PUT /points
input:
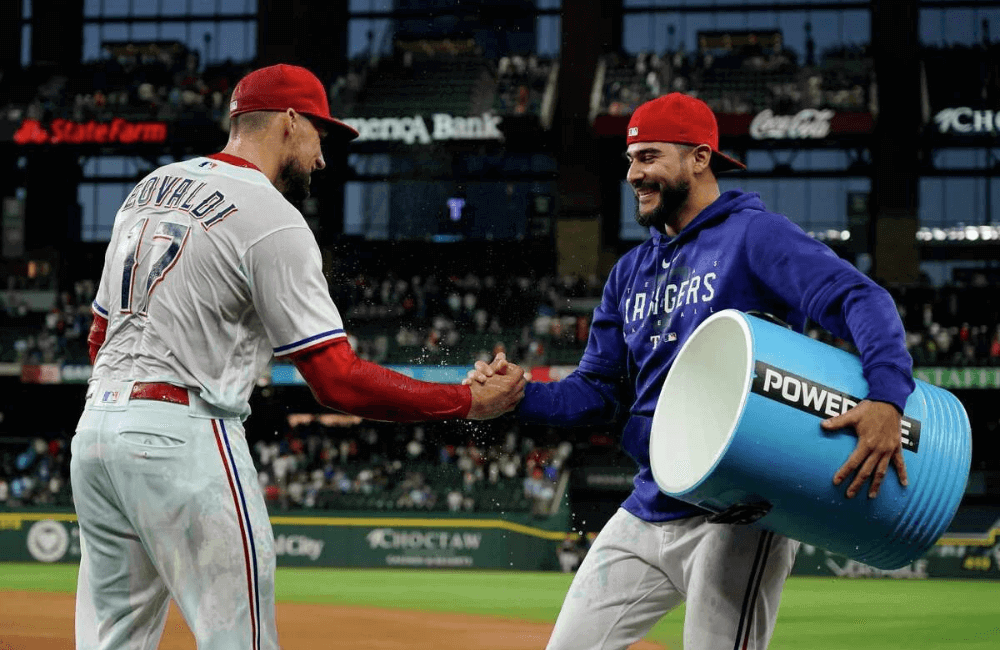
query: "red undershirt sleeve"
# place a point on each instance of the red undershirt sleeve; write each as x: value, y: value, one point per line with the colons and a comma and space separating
x: 98, y: 330
x: 341, y: 381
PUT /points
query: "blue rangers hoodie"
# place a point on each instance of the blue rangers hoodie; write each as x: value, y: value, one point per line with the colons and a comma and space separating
x: 733, y: 255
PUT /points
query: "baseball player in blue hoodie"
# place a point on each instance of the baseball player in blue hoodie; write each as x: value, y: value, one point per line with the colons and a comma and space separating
x: 706, y: 252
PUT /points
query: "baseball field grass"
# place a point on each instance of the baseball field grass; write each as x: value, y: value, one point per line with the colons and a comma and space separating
x: 816, y: 613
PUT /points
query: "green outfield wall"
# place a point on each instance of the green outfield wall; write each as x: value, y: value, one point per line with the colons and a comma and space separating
x: 976, y: 556
x: 521, y: 542
x: 340, y: 539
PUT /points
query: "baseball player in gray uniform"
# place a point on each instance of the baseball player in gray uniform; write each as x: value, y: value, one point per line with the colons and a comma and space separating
x: 210, y: 273
x: 706, y: 251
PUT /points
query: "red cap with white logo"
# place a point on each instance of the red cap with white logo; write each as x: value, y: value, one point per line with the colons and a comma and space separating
x: 680, y: 119
x: 279, y: 87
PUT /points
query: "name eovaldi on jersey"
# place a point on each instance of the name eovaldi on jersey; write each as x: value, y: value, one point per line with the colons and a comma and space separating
x: 184, y: 195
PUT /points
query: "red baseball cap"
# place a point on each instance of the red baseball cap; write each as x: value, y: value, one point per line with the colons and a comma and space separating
x: 680, y: 119
x: 279, y: 87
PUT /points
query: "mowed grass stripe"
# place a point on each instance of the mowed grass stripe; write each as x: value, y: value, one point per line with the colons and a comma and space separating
x: 816, y: 613
x: 831, y: 613
x: 38, y: 577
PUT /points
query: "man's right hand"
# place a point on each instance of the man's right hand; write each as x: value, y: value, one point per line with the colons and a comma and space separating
x: 497, y: 390
x: 483, y: 371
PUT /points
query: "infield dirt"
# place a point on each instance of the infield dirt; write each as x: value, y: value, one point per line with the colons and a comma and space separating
x: 44, y: 621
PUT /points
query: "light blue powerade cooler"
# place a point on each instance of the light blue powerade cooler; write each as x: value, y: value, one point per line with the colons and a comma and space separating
x: 738, y: 422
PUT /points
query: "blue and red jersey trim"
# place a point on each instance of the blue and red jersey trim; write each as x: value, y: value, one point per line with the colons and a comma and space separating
x: 100, y: 310
x: 309, y: 342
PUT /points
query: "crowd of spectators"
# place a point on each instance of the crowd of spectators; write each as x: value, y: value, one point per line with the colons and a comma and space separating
x: 959, y: 74
x: 35, y: 472
x: 334, y: 462
x: 758, y: 75
x: 146, y: 81
x: 331, y: 461
x: 167, y: 80
x: 460, y: 319
x: 762, y: 75
x: 443, y: 319
x: 522, y: 82
x: 339, y: 462
x: 55, y: 335
x: 954, y: 325
x: 437, y: 319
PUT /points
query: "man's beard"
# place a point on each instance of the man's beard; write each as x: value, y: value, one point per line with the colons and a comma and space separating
x: 294, y: 182
x: 672, y: 197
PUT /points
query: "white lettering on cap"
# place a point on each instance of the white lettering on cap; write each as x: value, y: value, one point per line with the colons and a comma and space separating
x: 633, y: 130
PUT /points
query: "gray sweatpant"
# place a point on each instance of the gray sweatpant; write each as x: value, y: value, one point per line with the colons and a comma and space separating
x: 730, y: 576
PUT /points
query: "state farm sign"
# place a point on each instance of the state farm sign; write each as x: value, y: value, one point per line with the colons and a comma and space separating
x: 117, y: 131
x: 415, y: 130
x: 809, y: 123
x: 965, y: 120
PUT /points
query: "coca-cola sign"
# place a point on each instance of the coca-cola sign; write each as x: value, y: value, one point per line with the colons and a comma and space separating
x: 965, y: 120
x: 809, y: 123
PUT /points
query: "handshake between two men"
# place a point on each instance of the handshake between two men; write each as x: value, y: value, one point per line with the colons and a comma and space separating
x: 496, y: 387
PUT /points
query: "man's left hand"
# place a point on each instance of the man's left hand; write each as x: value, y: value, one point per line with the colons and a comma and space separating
x: 877, y: 425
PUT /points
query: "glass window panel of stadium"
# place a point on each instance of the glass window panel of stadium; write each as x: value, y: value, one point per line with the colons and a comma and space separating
x: 431, y: 192
x: 959, y: 190
x: 463, y: 207
x: 204, y: 35
x: 217, y: 31
x: 813, y: 187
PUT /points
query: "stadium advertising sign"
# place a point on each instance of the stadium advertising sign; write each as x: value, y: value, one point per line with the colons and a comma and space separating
x: 364, y: 540
x: 39, y: 537
x: 607, y: 479
x: 809, y: 123
x: 283, y: 374
x: 426, y: 548
x: 298, y: 546
x: 967, y: 121
x: 811, y: 560
x: 959, y: 377
x: 970, y: 556
x: 804, y: 126
x: 415, y: 130
x: 117, y: 131
x: 53, y: 373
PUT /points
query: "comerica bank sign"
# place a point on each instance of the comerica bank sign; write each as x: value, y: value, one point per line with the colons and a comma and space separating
x: 416, y: 130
